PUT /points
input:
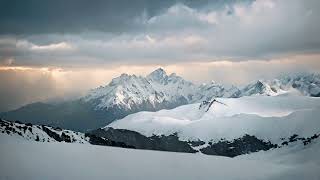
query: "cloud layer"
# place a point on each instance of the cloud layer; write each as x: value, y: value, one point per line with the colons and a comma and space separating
x: 179, y: 32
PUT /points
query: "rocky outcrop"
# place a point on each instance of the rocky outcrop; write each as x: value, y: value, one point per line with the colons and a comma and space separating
x: 244, y: 145
x: 139, y: 141
x: 95, y: 140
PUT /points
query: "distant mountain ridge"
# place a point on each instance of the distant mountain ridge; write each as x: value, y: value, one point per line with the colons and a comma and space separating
x: 307, y: 84
x: 129, y: 94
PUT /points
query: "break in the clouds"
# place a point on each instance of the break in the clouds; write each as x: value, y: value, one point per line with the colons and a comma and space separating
x: 78, y: 33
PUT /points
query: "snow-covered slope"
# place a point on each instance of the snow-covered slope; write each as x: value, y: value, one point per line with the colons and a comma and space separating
x: 41, y: 133
x: 33, y: 161
x: 268, y: 118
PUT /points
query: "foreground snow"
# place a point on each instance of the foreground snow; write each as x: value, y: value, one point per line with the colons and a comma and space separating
x: 269, y: 118
x: 22, y: 159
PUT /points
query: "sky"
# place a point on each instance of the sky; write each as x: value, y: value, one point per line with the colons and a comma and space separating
x: 56, y: 50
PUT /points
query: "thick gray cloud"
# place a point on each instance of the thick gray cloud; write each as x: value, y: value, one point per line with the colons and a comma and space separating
x: 150, y: 32
x: 60, y: 16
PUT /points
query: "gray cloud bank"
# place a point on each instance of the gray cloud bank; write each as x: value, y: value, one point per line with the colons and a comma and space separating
x: 156, y: 32
x: 72, y: 16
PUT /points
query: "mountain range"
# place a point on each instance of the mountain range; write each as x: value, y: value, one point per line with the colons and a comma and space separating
x: 129, y: 94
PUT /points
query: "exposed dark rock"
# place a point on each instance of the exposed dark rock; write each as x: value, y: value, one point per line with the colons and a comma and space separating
x: 52, y: 134
x: 93, y: 139
x: 293, y: 138
x: 65, y: 138
x: 171, y: 143
x: 196, y: 143
x: 30, y: 129
x: 24, y: 128
x: 284, y: 143
x: 243, y: 145
x: 139, y: 141
x: 315, y: 136
x: 296, y: 137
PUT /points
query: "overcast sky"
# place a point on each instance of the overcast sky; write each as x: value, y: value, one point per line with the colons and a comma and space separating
x: 48, y: 48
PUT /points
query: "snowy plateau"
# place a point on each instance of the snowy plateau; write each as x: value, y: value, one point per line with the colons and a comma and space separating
x: 269, y: 118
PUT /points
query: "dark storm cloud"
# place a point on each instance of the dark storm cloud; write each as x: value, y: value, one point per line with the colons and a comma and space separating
x: 70, y: 16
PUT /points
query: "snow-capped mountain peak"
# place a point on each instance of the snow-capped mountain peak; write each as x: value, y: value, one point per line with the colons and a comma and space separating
x: 132, y: 92
x: 159, y: 75
x: 258, y: 88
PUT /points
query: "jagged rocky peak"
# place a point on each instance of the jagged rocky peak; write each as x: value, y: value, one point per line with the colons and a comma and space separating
x: 174, y: 78
x: 160, y: 71
x: 123, y: 78
x: 132, y: 92
x: 232, y: 92
x: 159, y: 75
x: 259, y: 87
x: 208, y: 90
x: 307, y: 84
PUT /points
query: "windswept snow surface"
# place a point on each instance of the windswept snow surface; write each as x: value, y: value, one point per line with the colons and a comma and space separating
x: 21, y: 159
x: 269, y: 118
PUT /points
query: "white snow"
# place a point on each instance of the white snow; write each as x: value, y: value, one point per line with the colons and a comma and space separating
x: 37, y: 161
x: 269, y: 118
